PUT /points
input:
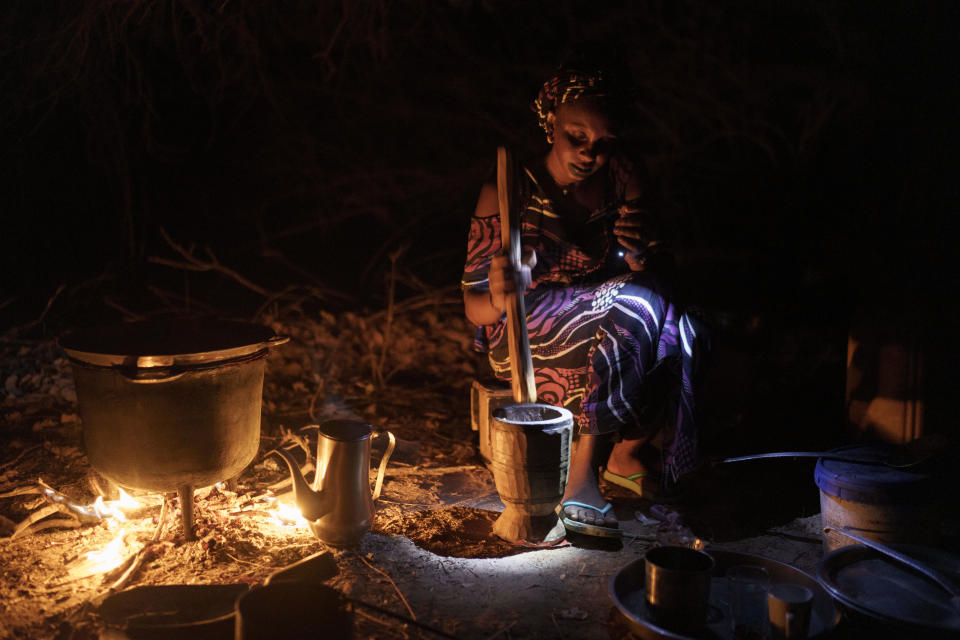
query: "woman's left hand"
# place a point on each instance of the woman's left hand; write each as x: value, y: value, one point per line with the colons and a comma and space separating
x: 637, y: 233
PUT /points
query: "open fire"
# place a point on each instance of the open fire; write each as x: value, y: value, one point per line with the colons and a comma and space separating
x: 288, y: 515
x: 130, y: 519
x: 99, y: 510
x: 94, y: 542
x: 103, y: 560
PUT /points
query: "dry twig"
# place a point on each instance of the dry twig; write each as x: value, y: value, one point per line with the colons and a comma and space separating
x: 553, y: 619
x: 299, y: 440
x: 193, y: 263
x: 23, y: 491
x: 395, y: 587
x: 355, y: 602
x: 162, y: 522
x: 31, y: 524
x: 286, y: 482
x: 130, y: 315
x: 133, y: 564
x: 43, y: 314
x: 504, y: 630
x: 429, y: 471
x: 388, y: 328
x: 171, y: 299
x: 311, y: 410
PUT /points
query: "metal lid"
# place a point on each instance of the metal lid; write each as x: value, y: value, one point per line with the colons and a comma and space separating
x: 870, y: 483
x: 885, y: 589
x: 346, y: 430
x: 168, y: 342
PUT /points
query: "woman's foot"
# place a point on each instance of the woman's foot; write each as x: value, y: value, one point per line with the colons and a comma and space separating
x: 582, y: 487
x: 630, y: 457
x: 635, y: 465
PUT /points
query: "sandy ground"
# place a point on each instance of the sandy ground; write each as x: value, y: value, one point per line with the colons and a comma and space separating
x: 430, y: 562
x: 430, y: 557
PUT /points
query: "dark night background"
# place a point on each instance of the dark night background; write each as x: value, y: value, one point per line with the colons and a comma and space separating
x: 801, y: 152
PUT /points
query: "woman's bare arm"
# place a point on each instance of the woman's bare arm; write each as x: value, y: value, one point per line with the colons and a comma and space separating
x: 478, y: 304
x: 486, y: 307
x: 479, y: 307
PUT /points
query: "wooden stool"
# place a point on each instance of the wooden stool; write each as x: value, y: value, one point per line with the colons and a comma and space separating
x: 483, y: 400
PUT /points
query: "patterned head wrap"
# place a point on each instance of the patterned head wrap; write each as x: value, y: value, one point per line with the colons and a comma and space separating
x: 570, y: 84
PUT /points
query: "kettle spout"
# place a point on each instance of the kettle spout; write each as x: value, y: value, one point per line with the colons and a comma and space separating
x: 312, y: 504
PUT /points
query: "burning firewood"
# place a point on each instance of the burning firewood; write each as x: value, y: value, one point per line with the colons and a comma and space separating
x: 77, y: 514
x: 32, y: 524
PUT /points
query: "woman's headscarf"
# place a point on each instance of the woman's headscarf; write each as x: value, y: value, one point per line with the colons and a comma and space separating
x: 578, y: 80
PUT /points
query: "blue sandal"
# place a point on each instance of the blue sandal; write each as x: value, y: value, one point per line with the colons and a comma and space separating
x: 586, y: 528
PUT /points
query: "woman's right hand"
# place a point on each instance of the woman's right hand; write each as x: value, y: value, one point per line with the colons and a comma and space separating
x: 505, y: 280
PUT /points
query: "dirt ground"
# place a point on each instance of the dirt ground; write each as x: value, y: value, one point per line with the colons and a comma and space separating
x: 284, y: 162
x: 430, y: 562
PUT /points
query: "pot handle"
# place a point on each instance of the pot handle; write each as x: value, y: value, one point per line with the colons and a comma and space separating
x: 383, y: 464
x: 154, y: 375
x: 276, y: 341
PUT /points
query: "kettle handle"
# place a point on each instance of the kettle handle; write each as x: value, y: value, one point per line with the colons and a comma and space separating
x: 383, y: 464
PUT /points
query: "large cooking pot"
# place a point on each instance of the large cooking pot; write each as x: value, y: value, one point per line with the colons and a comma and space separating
x: 172, y: 404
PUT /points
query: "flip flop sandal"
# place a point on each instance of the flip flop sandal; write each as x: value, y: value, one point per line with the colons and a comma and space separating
x: 584, y: 527
x: 635, y: 482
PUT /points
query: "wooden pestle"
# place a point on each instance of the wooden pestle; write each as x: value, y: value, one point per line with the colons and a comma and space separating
x: 521, y: 364
x: 522, y: 489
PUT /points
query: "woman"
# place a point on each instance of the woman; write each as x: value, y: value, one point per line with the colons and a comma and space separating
x: 606, y: 339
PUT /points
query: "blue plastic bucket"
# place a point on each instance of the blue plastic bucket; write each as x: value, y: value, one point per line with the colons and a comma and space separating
x: 876, y: 501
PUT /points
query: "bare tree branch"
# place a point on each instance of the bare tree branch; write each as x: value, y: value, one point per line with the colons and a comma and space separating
x: 193, y: 263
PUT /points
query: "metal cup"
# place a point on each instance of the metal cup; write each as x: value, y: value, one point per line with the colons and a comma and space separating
x: 747, y: 586
x: 677, y: 584
x: 789, y: 607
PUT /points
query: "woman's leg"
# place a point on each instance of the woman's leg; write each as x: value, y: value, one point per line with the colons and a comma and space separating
x: 562, y: 325
x: 582, y: 484
x: 595, y: 351
x: 630, y: 456
x: 629, y: 375
x: 670, y: 392
x: 639, y: 448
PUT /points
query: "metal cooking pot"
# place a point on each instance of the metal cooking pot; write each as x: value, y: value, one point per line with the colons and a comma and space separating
x: 172, y: 404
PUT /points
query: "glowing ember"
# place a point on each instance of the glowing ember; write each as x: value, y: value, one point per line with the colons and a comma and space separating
x: 288, y: 515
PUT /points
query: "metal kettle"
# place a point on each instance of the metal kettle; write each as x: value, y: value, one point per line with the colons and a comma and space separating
x: 339, y: 506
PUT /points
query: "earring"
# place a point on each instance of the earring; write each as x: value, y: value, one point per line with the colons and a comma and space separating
x: 549, y: 135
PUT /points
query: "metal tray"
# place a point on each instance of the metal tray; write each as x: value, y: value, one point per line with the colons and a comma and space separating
x: 626, y: 589
x: 884, y: 589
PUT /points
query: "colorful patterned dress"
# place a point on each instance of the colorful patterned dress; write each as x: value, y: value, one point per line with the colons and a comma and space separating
x: 607, y: 343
